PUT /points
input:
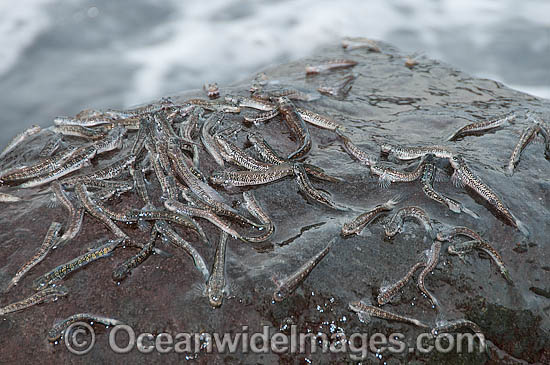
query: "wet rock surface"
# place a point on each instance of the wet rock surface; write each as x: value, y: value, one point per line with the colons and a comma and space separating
x: 388, y: 103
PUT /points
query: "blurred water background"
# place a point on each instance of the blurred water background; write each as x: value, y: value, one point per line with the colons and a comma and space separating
x: 58, y: 57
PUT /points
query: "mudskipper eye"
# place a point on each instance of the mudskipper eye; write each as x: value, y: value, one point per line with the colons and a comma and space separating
x: 278, y: 296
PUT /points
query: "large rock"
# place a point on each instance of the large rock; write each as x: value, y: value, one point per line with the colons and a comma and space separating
x: 388, y: 102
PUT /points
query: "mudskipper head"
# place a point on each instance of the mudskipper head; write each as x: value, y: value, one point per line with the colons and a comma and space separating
x: 392, y: 228
x: 444, y: 235
x: 212, y: 90
x: 279, y: 295
x: 384, y: 295
x: 358, y: 305
x: 215, y: 298
x: 169, y: 204
x: 456, y: 161
x: 284, y: 103
x: 218, y: 178
x: 347, y: 229
x: 385, y: 148
x: 452, y: 250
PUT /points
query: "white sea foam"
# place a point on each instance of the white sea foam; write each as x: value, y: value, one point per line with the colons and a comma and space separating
x: 21, y: 22
x: 224, y: 49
